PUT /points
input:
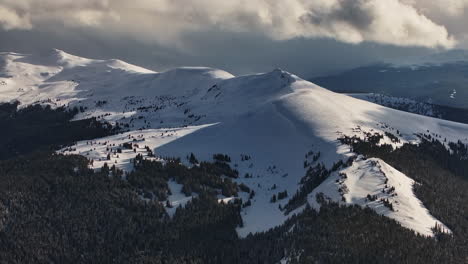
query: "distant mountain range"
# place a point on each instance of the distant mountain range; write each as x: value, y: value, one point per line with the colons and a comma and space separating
x: 439, y: 79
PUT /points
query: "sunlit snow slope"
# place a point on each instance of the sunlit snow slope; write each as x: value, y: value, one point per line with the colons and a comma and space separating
x: 275, y: 118
x: 369, y: 183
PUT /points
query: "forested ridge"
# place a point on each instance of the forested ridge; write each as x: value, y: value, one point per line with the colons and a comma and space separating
x: 54, y: 209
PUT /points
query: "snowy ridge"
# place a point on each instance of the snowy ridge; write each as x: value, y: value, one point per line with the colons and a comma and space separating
x: 375, y: 184
x: 275, y: 118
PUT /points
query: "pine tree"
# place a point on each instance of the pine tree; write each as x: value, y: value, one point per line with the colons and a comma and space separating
x: 273, y: 199
x: 193, y: 159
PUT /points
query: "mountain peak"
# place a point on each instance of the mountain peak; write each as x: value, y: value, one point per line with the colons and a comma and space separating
x: 57, y: 57
x: 278, y: 72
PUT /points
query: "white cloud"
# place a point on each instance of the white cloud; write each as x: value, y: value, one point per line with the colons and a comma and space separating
x: 396, y: 22
x: 9, y: 19
x: 445, y: 7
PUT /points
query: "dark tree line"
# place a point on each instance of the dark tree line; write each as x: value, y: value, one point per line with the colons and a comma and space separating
x: 39, y: 127
x: 151, y: 178
x: 315, y: 175
x: 350, y: 234
x: 54, y: 209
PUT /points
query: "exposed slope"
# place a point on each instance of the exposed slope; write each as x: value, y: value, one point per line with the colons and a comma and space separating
x: 274, y: 118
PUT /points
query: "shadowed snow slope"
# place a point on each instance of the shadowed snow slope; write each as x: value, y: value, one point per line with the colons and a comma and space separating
x: 275, y: 118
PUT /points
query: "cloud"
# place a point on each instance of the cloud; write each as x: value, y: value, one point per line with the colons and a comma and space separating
x: 9, y: 19
x: 446, y: 7
x: 395, y: 22
x: 386, y: 22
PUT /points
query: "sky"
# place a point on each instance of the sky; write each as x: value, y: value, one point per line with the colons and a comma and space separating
x: 306, y: 37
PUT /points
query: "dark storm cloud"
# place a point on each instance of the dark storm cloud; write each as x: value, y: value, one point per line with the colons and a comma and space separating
x: 164, y: 21
x: 349, y: 12
x: 354, y: 13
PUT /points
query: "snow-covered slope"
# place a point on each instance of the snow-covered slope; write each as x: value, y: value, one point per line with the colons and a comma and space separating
x: 59, y: 79
x: 375, y: 184
x: 275, y: 118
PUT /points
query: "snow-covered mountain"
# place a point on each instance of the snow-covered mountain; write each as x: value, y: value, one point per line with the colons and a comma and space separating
x: 272, y: 118
x: 438, y: 78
